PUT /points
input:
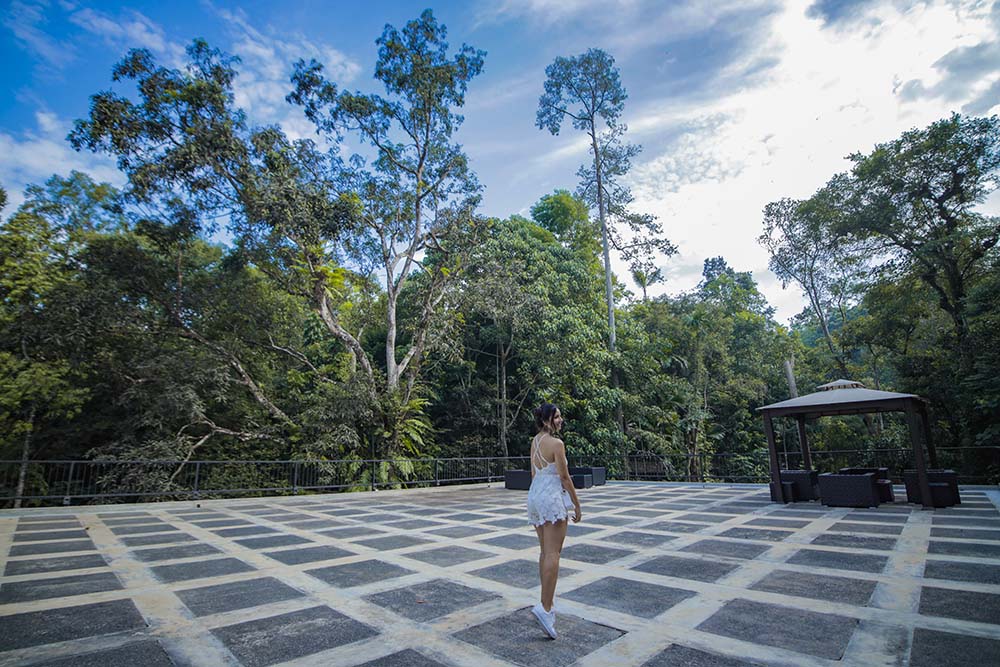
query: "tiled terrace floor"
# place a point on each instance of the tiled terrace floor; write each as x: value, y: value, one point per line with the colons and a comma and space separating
x: 655, y: 575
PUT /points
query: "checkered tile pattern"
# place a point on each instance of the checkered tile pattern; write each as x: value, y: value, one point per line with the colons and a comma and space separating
x: 656, y: 574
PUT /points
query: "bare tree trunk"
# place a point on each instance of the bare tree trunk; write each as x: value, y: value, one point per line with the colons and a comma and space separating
x: 503, y: 398
x: 22, y: 473
x: 608, y: 291
x: 790, y: 375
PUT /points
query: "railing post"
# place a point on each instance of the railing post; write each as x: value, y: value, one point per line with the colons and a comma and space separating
x: 437, y: 479
x: 197, y: 478
x: 295, y: 478
x: 69, y: 481
x: 373, y: 475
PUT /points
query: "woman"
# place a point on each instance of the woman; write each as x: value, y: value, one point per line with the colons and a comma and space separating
x: 550, y: 496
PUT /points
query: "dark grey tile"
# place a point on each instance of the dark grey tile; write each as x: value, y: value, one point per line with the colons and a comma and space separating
x: 431, y: 599
x: 173, y: 553
x: 966, y: 533
x: 978, y: 573
x: 509, y: 522
x: 687, y: 568
x: 471, y: 516
x: 459, y: 531
x: 35, y: 628
x: 406, y: 658
x: 822, y: 635
x: 161, y: 527
x: 874, y: 528
x: 36, y: 565
x: 723, y: 548
x: 518, y: 573
x: 512, y: 541
x: 778, y: 522
x: 964, y: 605
x: 360, y: 573
x: 613, y: 520
x: 281, y: 638
x: 877, y: 518
x: 932, y: 648
x: 315, y: 524
x: 44, y: 535
x: 855, y: 541
x: 756, y: 534
x: 966, y: 522
x: 592, y: 553
x: 34, y: 527
x: 676, y: 655
x: 643, y: 513
x: 159, y: 538
x: 135, y: 520
x: 839, y: 561
x: 199, y: 569
x: 118, y: 515
x: 43, y: 589
x: 352, y: 531
x: 237, y: 595
x: 46, y: 518
x: 450, y: 555
x: 706, y: 518
x: 939, y: 547
x: 391, y: 542
x: 147, y: 653
x: 345, y: 511
x: 308, y: 554
x: 817, y: 586
x: 219, y: 523
x: 639, y: 539
x: 676, y: 527
x: 636, y: 598
x: 245, y: 530
x: 414, y: 524
x: 519, y: 639
x: 272, y: 541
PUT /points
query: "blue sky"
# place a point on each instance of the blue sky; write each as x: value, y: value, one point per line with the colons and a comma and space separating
x: 735, y: 103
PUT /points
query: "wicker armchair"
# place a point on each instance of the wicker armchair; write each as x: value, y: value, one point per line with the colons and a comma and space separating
x: 882, y: 481
x: 943, y: 483
x: 858, y: 490
x: 599, y: 474
x: 805, y: 481
x: 517, y: 479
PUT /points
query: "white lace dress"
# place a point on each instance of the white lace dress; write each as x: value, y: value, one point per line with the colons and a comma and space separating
x: 545, y: 495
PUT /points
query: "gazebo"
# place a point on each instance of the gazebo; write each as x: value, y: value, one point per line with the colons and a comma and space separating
x: 845, y: 397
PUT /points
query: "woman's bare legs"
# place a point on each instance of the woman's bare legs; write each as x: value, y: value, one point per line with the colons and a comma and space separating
x: 550, y: 539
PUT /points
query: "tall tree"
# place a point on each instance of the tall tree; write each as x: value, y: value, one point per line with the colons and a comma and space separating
x: 588, y: 90
x: 416, y: 203
x: 914, y: 199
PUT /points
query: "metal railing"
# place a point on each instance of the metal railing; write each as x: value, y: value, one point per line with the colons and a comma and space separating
x: 135, y: 481
x: 974, y: 465
x: 66, y: 482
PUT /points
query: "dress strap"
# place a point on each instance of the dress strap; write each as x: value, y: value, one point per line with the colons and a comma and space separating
x: 536, y: 451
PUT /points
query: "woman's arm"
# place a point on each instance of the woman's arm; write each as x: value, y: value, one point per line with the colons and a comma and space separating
x: 562, y: 467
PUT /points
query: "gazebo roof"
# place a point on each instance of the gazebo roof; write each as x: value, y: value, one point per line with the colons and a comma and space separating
x: 842, y: 397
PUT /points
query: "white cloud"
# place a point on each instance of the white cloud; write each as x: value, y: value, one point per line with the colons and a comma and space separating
x: 265, y: 72
x: 24, y: 20
x: 35, y: 155
x: 128, y: 31
x: 829, y: 94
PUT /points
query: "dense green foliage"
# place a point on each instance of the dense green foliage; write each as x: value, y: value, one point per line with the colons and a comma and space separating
x: 365, y: 308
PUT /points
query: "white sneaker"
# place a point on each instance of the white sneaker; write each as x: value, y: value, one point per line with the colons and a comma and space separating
x: 547, y: 619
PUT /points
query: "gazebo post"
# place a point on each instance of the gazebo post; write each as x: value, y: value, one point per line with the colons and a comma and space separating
x: 807, y: 463
x: 918, y: 456
x: 776, y: 493
x: 931, y: 449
